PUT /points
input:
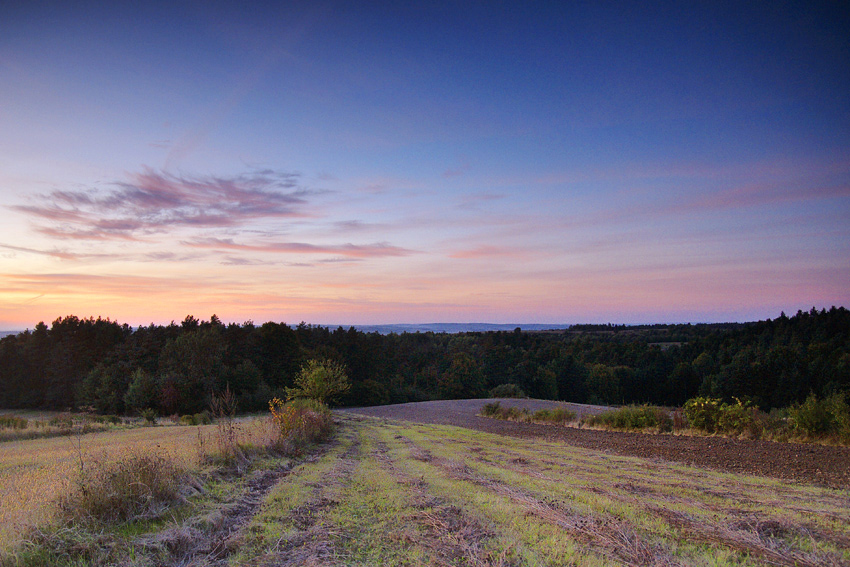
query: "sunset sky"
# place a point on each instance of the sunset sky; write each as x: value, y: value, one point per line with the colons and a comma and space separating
x: 501, y: 162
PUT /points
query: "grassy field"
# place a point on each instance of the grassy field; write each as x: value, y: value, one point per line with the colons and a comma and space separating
x: 34, y: 471
x: 393, y: 493
x: 400, y: 494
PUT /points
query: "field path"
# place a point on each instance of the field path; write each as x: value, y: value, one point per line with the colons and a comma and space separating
x: 819, y: 464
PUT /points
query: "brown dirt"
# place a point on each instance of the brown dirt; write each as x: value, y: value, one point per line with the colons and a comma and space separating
x: 808, y: 463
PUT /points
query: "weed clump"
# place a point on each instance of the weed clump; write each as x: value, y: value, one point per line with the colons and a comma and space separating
x: 301, y: 422
x: 12, y: 422
x: 560, y: 415
x: 137, y: 486
x: 201, y: 418
x: 633, y: 417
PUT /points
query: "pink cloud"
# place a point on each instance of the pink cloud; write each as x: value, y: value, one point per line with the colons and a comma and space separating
x: 155, y: 201
x: 380, y: 249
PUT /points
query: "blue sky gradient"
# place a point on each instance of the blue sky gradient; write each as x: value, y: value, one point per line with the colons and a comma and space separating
x: 408, y: 163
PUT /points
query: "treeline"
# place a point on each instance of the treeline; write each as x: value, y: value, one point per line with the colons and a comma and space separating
x: 81, y: 363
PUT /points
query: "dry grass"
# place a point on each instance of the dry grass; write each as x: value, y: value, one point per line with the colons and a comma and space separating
x: 34, y: 472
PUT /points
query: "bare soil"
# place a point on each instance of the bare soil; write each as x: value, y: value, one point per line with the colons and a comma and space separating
x: 808, y: 463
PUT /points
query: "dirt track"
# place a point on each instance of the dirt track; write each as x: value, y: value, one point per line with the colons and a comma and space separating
x: 818, y: 464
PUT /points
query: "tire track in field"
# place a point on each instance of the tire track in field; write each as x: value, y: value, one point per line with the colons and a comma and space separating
x: 449, y: 533
x: 313, y: 542
x: 606, y: 535
x: 211, y: 539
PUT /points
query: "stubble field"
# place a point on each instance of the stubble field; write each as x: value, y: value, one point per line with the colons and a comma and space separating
x: 392, y: 492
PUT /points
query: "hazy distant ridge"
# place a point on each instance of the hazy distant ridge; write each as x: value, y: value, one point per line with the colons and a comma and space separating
x: 452, y: 327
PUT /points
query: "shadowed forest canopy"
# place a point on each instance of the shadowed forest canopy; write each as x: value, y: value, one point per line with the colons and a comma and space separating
x: 113, y: 368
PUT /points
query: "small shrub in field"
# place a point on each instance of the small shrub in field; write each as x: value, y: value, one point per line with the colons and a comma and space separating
x: 188, y: 420
x: 735, y: 419
x: 12, y: 422
x: 150, y: 416
x: 507, y: 391
x: 491, y: 409
x: 301, y: 422
x: 703, y: 413
x: 203, y: 418
x: 140, y: 485
x: 554, y: 415
x: 633, y: 417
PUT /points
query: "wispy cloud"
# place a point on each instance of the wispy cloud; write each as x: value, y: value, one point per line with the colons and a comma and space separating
x: 154, y: 201
x: 57, y: 253
x: 380, y: 249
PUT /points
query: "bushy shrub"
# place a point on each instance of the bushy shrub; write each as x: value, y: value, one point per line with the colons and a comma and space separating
x: 735, y: 419
x: 507, y: 391
x: 821, y: 417
x: 633, y: 417
x: 301, y: 422
x: 703, y: 413
x: 323, y: 380
x: 491, y: 409
x: 202, y: 418
x: 139, y: 485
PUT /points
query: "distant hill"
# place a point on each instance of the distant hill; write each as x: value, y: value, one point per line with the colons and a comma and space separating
x: 5, y: 333
x: 452, y: 327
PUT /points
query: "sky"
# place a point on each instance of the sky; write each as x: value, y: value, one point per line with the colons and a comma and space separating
x: 336, y: 163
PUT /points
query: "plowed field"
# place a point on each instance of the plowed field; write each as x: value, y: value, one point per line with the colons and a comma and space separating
x: 819, y: 464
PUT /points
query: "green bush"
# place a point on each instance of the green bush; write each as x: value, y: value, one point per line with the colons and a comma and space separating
x: 323, y: 380
x: 819, y: 418
x: 703, y: 413
x: 188, y: 420
x: 735, y: 419
x: 633, y: 417
x: 507, y: 391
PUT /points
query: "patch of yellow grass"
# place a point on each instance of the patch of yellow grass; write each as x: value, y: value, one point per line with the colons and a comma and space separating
x: 34, y: 472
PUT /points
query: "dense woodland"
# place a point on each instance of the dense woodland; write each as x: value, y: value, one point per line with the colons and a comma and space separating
x: 113, y: 368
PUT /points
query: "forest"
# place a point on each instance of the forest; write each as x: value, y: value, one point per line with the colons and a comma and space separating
x: 113, y: 368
